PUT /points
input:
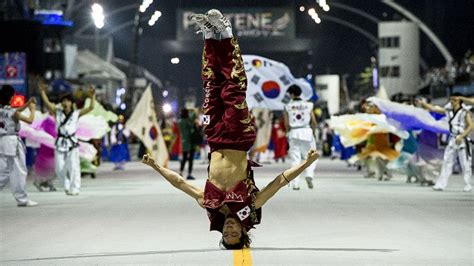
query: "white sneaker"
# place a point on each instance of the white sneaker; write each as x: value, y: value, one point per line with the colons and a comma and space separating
x: 220, y: 23
x: 204, y: 25
x: 29, y: 203
x: 435, y: 188
x: 467, y: 188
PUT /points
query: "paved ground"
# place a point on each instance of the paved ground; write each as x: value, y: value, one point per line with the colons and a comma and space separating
x: 135, y: 217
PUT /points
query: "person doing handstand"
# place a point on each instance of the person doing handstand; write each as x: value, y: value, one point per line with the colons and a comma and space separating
x: 232, y: 200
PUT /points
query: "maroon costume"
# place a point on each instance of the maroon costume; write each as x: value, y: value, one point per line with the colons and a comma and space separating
x: 225, y: 84
x: 229, y: 125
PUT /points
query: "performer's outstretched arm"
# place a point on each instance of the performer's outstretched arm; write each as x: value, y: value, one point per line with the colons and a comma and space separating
x: 27, y: 119
x: 283, y: 179
x: 467, y: 130
x: 91, y: 93
x: 432, y: 108
x: 49, y: 105
x: 466, y: 100
x: 176, y: 180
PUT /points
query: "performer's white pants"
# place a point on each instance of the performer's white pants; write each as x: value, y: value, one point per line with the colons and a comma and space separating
x: 298, y: 152
x: 452, y: 152
x: 68, y: 169
x: 13, y: 169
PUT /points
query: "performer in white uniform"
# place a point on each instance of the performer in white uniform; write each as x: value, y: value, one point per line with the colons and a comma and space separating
x: 460, y: 125
x: 66, y: 154
x: 300, y: 120
x: 12, y: 149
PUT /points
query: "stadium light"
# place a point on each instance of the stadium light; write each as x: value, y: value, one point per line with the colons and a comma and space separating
x: 98, y: 15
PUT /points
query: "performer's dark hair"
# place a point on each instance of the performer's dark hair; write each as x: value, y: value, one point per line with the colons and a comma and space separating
x: 66, y: 96
x: 6, y: 94
x: 295, y: 90
x: 457, y: 94
x: 184, y: 113
x: 244, y: 242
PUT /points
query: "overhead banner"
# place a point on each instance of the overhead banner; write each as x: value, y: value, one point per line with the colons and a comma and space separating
x: 254, y: 23
x: 13, y: 71
x: 268, y: 81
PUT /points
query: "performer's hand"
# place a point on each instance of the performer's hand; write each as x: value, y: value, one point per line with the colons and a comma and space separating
x: 313, y: 155
x: 42, y: 86
x: 459, y: 140
x: 90, y: 91
x: 32, y: 104
x: 148, y: 160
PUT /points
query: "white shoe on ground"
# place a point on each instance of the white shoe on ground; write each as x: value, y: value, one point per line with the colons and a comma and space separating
x: 28, y: 203
x: 435, y: 188
x: 467, y: 188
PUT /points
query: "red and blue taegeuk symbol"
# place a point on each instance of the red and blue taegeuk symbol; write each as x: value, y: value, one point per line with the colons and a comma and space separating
x: 153, y: 133
x: 271, y: 89
x: 256, y: 63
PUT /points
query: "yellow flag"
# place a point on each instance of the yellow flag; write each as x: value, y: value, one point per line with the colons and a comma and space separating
x: 144, y: 124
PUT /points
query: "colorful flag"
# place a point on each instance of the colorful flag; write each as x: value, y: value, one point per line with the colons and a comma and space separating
x: 268, y: 81
x: 144, y: 125
x: 263, y: 121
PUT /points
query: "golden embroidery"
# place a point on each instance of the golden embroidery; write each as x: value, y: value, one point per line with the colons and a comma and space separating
x: 206, y: 70
x: 246, y: 120
x: 238, y: 70
x: 241, y: 106
x: 249, y: 128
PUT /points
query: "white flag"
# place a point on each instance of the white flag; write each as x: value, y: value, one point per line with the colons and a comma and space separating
x: 263, y: 121
x: 268, y: 81
x: 144, y: 125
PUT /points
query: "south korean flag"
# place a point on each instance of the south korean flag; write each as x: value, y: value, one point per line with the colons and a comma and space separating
x: 244, y: 213
x: 205, y: 120
x: 268, y: 81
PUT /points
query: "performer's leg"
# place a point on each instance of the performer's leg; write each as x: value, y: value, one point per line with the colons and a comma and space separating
x: 5, y: 170
x: 213, y: 107
x: 239, y: 124
x: 74, y: 168
x: 465, y: 160
x: 296, y: 158
x: 191, y: 159
x: 309, y: 171
x: 60, y: 169
x: 18, y: 176
x: 446, y: 168
x: 183, y: 162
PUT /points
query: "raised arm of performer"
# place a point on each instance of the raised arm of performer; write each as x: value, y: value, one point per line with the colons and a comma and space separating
x: 49, y: 105
x: 176, y: 180
x: 430, y: 107
x: 91, y: 94
x: 283, y: 179
x: 466, y: 100
x: 31, y: 104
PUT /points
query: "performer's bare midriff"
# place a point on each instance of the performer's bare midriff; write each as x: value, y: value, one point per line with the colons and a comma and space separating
x: 229, y: 167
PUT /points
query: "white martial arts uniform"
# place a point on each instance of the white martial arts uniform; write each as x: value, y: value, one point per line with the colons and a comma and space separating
x: 457, y: 125
x: 66, y: 154
x: 300, y: 137
x: 12, y: 155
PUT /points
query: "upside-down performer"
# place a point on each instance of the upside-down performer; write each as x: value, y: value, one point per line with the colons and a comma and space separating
x: 232, y: 200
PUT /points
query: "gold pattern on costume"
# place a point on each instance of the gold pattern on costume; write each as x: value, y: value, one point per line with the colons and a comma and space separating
x: 249, y: 128
x: 241, y: 106
x: 246, y: 120
x: 206, y: 70
x: 238, y: 70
